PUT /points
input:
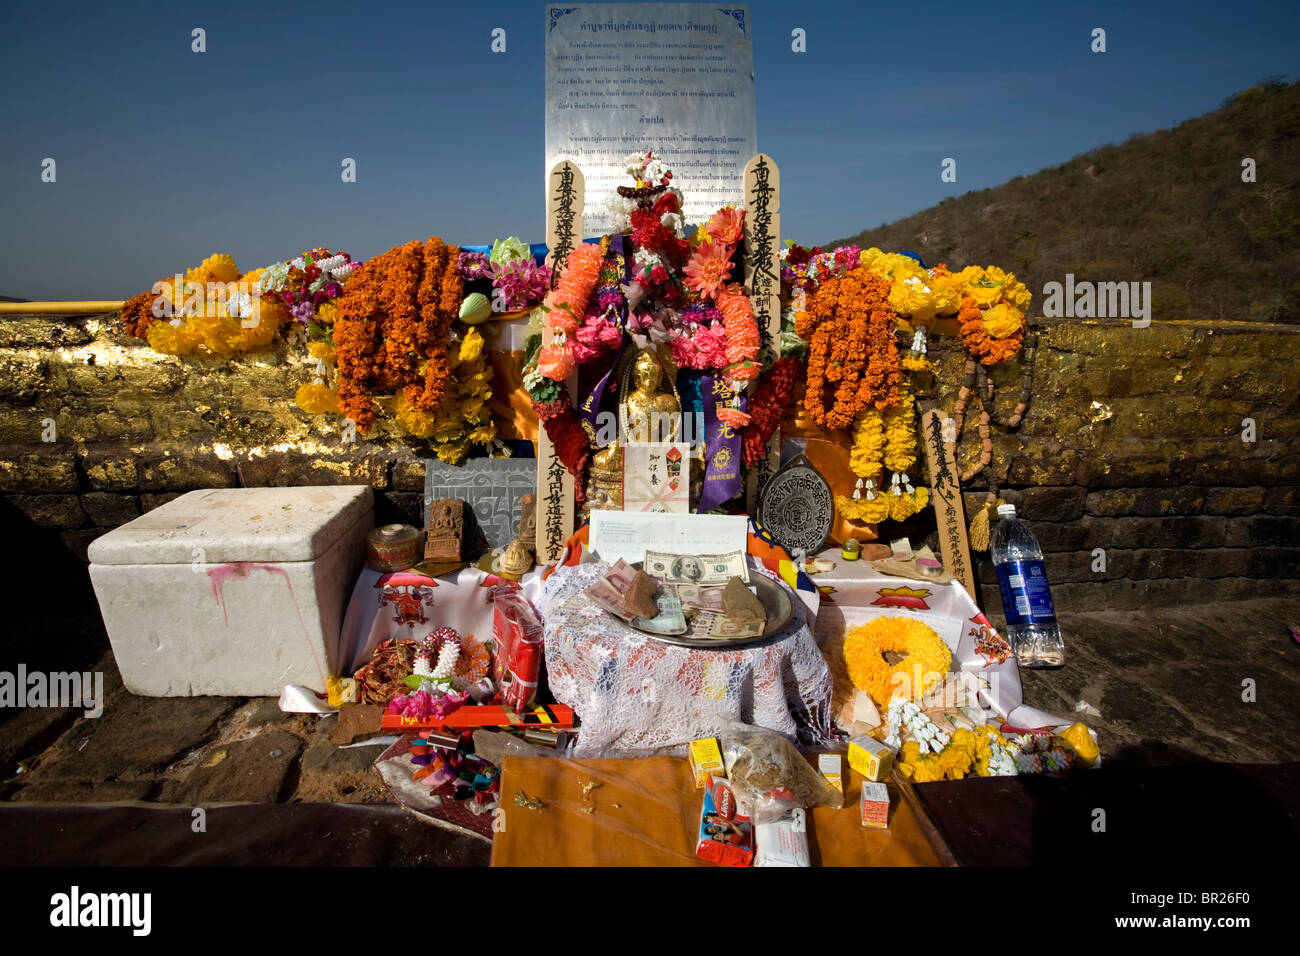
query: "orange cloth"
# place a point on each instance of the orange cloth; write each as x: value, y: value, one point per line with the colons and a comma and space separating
x: 510, y: 405
x: 658, y: 817
x: 829, y: 453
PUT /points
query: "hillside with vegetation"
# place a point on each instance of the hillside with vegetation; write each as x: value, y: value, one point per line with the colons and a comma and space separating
x: 1169, y: 207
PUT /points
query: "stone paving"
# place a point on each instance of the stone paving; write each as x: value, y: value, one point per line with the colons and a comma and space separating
x: 1167, y: 683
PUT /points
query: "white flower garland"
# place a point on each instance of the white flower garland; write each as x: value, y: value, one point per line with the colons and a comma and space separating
x: 905, y: 713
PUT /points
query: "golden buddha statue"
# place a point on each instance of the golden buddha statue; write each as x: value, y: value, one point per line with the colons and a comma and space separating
x: 652, y: 415
x: 645, y: 414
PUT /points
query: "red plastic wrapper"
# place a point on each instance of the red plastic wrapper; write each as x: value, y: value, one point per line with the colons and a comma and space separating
x: 518, y: 663
x: 725, y: 836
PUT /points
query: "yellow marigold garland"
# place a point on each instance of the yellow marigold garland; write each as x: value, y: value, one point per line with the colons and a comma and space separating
x: 864, y: 653
x: 1002, y: 320
x: 866, y: 510
x: 868, y: 441
x: 900, y: 433
x: 196, y: 323
x: 966, y: 751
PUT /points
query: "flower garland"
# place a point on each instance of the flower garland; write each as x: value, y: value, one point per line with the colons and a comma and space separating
x: 394, y: 326
x: 565, y: 307
x: 602, y: 325
x: 850, y: 330
x: 520, y: 282
x: 445, y: 645
x: 986, y: 752
x: 700, y: 340
x: 462, y: 419
x: 137, y: 314
x: 965, y: 751
x: 774, y: 391
x: 307, y: 283
x: 865, y: 647
x: 211, y: 311
x: 989, y: 350
x: 904, y: 713
x: 317, y: 398
x: 742, y: 334
x: 546, y: 368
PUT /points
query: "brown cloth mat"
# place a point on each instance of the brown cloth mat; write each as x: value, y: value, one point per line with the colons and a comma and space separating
x: 657, y: 820
x: 257, y: 834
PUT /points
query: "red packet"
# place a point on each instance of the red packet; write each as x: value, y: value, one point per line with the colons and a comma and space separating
x: 725, y: 836
x: 518, y: 662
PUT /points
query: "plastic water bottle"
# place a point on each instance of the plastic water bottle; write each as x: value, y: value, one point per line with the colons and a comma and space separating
x: 1026, y: 598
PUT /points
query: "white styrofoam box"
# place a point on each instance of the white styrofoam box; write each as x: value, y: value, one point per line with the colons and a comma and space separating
x: 232, y: 591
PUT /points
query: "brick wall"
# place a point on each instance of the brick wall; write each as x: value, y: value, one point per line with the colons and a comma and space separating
x: 1155, y: 473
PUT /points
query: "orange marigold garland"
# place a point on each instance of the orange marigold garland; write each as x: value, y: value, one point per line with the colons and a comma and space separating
x: 989, y: 351
x: 398, y: 295
x: 850, y: 330
x: 356, y: 342
x: 137, y: 313
x: 565, y: 307
x: 393, y: 327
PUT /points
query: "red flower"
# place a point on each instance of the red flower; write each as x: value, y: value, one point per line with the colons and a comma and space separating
x: 570, y: 440
x: 765, y: 408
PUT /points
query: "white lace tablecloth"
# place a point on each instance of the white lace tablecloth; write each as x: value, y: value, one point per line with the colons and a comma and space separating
x: 635, y: 694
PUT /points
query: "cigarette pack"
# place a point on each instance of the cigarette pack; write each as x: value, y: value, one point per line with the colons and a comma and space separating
x: 725, y: 836
x: 870, y: 758
x: 875, y: 805
x: 706, y: 761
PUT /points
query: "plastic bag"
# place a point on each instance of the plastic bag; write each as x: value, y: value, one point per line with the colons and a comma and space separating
x: 770, y: 777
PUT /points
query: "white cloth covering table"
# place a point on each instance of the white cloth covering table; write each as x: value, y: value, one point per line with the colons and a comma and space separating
x: 636, y: 695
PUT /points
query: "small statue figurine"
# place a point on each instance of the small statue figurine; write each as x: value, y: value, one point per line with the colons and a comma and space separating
x: 652, y: 415
x: 528, y: 521
x: 645, y: 414
x: 445, y: 530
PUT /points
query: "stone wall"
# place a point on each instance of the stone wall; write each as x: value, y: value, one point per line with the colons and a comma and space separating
x: 1131, y: 466
x: 1133, y: 445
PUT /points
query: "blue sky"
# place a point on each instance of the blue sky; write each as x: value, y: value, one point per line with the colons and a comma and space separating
x: 164, y: 156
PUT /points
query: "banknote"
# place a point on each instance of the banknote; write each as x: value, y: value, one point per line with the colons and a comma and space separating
x: 669, y: 620
x: 610, y: 591
x: 715, y: 626
x: 705, y: 599
x: 729, y: 628
x: 705, y: 570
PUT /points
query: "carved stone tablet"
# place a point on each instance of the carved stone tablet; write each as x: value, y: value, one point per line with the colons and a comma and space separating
x: 796, y: 507
x: 493, y: 488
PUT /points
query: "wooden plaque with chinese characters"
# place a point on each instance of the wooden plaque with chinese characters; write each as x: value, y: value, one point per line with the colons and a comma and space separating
x: 945, y: 493
x: 763, y: 285
x: 564, y: 198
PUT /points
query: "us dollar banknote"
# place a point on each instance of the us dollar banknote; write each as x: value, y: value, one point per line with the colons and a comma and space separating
x: 704, y: 570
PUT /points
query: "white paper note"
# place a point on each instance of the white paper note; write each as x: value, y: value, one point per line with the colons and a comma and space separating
x: 627, y: 535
